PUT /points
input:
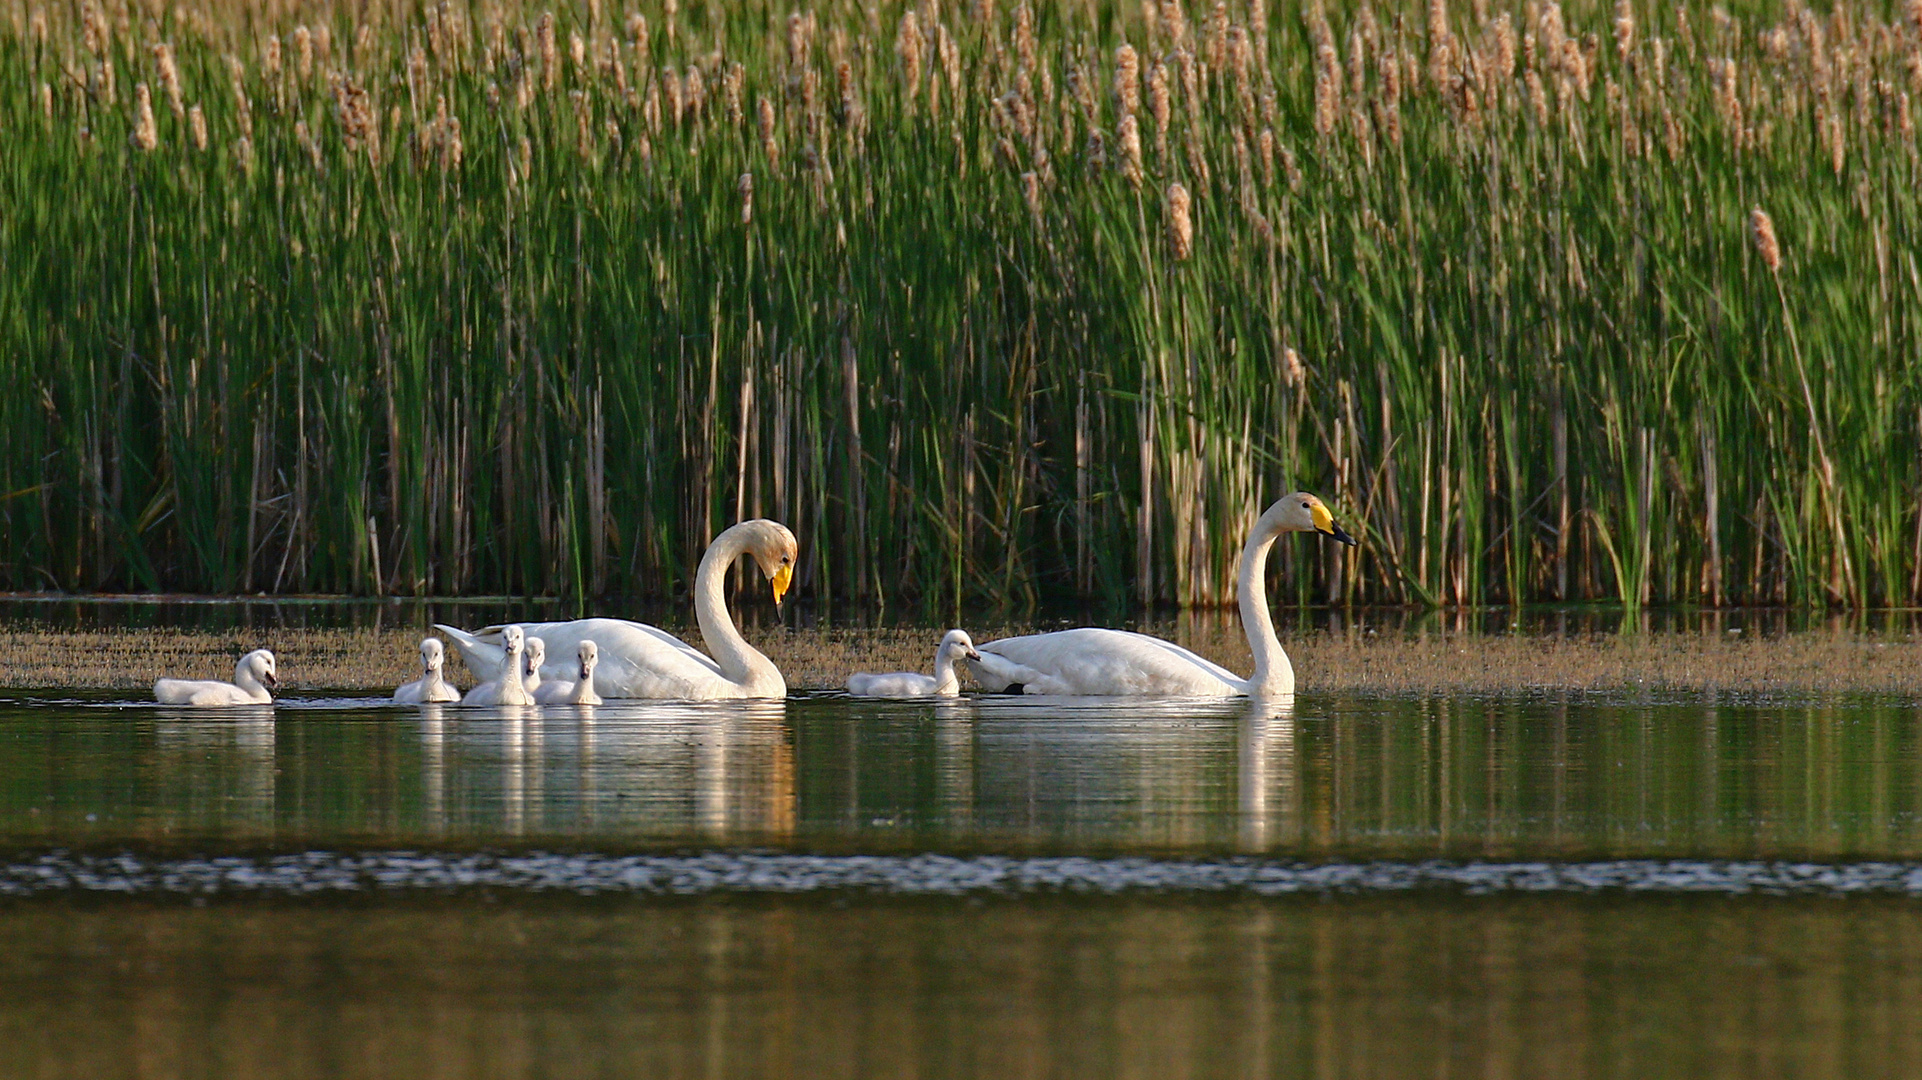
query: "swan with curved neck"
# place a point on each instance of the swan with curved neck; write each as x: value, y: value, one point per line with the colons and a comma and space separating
x: 254, y: 681
x: 432, y: 686
x: 1093, y: 661
x: 641, y: 661
x: 955, y: 645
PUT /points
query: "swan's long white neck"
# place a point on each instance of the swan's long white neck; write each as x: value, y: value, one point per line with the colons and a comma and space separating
x: 945, y: 680
x: 740, y: 662
x: 1274, y: 676
x: 244, y: 678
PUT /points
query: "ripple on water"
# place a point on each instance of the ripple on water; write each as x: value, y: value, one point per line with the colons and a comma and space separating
x: 748, y: 873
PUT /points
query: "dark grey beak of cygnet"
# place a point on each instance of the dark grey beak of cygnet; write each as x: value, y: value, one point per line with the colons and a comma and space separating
x: 272, y: 683
x: 972, y: 655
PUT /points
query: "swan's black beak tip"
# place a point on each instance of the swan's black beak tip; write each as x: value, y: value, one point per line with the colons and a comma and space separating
x: 272, y: 683
x: 1341, y: 534
x: 974, y: 656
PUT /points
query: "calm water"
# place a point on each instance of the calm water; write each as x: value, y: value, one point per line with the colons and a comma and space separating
x: 991, y: 887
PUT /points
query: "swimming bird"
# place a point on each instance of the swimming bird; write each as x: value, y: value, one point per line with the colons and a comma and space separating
x: 640, y: 661
x: 1094, y: 661
x: 535, y: 656
x: 253, y: 685
x: 508, y: 688
x: 431, y: 686
x: 581, y: 690
x: 955, y: 645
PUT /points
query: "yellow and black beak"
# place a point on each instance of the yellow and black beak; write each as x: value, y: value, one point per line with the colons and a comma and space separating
x: 1325, y: 524
x: 782, y: 578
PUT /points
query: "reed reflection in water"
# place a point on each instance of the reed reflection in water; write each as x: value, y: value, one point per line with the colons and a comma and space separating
x: 1561, y: 986
x: 1392, y: 778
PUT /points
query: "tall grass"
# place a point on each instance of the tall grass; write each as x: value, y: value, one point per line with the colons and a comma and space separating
x: 988, y: 302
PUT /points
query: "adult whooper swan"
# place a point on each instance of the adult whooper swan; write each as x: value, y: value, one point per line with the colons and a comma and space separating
x: 580, y: 691
x: 432, y: 686
x: 1091, y: 661
x: 253, y: 684
x: 955, y: 645
x: 640, y: 661
x: 507, y: 688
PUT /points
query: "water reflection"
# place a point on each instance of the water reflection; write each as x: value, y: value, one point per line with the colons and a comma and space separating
x: 1506, y: 778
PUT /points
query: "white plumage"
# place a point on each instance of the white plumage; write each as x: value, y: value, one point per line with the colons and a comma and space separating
x: 955, y: 645
x: 253, y: 684
x: 1093, y: 661
x: 580, y: 691
x: 640, y: 661
x: 432, y: 686
x: 507, y: 688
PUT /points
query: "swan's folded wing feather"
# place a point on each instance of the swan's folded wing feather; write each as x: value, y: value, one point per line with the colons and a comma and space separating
x: 1093, y: 660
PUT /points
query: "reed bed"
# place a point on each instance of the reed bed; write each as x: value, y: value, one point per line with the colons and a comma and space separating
x: 990, y: 302
x: 1817, y: 661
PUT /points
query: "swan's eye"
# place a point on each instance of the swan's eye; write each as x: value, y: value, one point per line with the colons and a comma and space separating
x: 1304, y: 506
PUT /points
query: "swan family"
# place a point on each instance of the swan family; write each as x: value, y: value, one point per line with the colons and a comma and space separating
x: 615, y: 658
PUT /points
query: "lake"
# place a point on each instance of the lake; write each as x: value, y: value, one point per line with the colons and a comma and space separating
x: 1541, y: 885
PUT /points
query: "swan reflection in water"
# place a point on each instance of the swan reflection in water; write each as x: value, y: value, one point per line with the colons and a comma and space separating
x: 1267, y: 778
x: 225, y: 758
x: 723, y: 769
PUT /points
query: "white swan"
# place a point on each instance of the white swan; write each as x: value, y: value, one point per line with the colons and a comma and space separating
x: 534, y: 656
x: 507, y: 688
x: 430, y: 687
x: 640, y: 661
x: 581, y: 690
x: 253, y: 682
x: 955, y: 644
x: 1118, y: 663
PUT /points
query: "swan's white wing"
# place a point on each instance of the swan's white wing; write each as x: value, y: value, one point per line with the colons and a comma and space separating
x: 1094, y: 661
x: 892, y: 685
x: 201, y: 692
x: 637, y: 660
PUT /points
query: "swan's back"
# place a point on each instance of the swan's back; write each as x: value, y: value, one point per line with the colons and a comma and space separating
x: 896, y: 684
x: 202, y: 693
x: 636, y: 660
x: 1094, y: 661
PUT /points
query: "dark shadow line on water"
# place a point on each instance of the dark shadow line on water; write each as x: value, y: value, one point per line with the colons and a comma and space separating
x: 322, y: 873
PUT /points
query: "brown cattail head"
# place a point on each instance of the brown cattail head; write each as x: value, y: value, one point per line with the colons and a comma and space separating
x: 1763, y: 230
x: 1127, y: 79
x: 1024, y: 35
x: 909, y: 46
x: 735, y: 88
x: 244, y: 154
x: 270, y: 58
x: 46, y: 100
x: 770, y: 148
x: 197, y: 125
x: 1293, y: 373
x: 93, y: 28
x: 1159, y: 105
x: 745, y: 188
x: 1327, y: 90
x: 304, y: 52
x: 577, y: 51
x: 1181, y: 228
x: 949, y: 53
x: 1624, y: 29
x: 1031, y: 193
x: 550, y: 55
x: 145, y: 135
x: 1129, y: 138
x: 163, y: 58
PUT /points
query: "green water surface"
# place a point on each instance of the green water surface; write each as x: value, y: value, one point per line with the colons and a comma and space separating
x: 1665, y: 972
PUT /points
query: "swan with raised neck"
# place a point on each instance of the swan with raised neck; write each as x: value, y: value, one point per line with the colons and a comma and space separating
x: 641, y: 661
x: 1102, y: 662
